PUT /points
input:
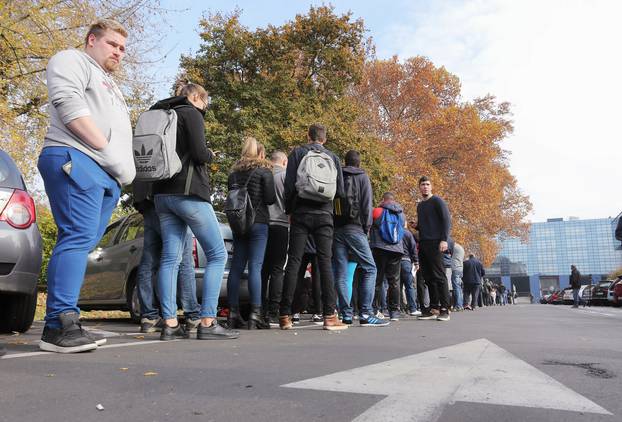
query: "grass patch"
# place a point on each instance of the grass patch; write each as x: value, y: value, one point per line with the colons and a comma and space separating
x: 40, y: 312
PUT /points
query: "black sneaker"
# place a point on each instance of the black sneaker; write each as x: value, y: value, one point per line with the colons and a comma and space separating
x: 347, y: 320
x: 216, y: 332
x: 99, y: 339
x: 70, y: 338
x: 192, y: 325
x: 427, y: 315
x: 173, y: 333
x: 443, y: 316
x: 151, y: 325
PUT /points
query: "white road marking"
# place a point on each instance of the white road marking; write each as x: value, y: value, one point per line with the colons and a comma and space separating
x: 477, y: 371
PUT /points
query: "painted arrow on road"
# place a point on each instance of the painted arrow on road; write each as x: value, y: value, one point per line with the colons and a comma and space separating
x: 419, y: 386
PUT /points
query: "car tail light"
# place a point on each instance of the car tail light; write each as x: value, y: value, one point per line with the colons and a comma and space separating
x: 19, y: 212
x: 195, y: 253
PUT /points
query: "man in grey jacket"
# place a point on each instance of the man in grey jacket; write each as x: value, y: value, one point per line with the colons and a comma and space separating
x: 272, y: 271
x: 86, y: 158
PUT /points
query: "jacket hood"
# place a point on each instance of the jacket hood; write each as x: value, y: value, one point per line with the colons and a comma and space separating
x: 392, y: 206
x: 171, y: 102
x: 353, y: 170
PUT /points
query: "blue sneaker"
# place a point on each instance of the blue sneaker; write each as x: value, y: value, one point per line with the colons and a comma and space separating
x: 372, y: 321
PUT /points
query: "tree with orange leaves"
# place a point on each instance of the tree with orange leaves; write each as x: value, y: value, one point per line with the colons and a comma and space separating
x: 416, y: 112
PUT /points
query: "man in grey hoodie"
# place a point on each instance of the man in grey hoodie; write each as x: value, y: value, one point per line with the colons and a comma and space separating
x: 86, y: 158
x: 273, y: 271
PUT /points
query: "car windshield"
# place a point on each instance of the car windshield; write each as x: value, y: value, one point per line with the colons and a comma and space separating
x: 604, y: 284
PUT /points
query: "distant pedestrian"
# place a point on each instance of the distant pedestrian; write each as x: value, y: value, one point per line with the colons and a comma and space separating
x: 575, y: 283
x: 434, y: 224
x: 473, y: 271
x: 457, y: 258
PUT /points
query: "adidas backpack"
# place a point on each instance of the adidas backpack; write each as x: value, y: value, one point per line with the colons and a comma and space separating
x: 316, y: 178
x: 390, y: 227
x: 154, y: 143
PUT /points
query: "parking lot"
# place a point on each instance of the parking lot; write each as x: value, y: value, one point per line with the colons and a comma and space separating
x: 392, y: 373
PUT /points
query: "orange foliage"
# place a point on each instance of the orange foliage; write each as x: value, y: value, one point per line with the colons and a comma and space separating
x: 415, y: 109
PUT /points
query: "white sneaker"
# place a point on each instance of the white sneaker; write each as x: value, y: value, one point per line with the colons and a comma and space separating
x: 414, y: 313
x: 380, y: 315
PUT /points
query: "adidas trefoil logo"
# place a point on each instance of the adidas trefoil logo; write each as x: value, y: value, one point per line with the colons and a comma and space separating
x: 143, y: 157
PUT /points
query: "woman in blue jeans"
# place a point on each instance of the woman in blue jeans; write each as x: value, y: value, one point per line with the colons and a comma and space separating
x: 184, y: 201
x: 254, y: 172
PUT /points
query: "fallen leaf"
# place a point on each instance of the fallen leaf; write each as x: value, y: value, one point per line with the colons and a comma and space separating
x: 139, y: 337
x: 18, y: 342
x: 99, y: 407
x: 50, y: 375
x: 123, y: 369
x: 150, y: 374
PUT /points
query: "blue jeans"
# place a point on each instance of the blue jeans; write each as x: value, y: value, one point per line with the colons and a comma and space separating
x: 456, y: 283
x: 177, y: 213
x: 357, y: 246
x: 249, y: 249
x: 81, y: 203
x: 575, y: 295
x: 409, y: 284
x: 150, y: 262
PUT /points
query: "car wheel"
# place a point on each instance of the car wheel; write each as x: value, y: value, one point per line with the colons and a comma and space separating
x: 17, y: 312
x: 133, y: 304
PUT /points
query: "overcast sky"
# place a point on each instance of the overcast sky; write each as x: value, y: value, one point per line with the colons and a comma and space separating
x: 557, y: 62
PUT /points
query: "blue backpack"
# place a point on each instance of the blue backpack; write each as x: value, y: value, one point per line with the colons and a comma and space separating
x: 390, y: 227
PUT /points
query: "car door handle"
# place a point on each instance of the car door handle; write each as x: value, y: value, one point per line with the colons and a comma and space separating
x: 133, y: 249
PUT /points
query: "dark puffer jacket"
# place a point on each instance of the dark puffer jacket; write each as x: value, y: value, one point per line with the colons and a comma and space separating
x: 260, y: 188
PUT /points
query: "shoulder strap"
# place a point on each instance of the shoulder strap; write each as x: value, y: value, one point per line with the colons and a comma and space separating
x: 250, y: 176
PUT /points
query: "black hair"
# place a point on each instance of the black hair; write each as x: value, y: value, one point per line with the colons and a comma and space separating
x: 424, y: 179
x: 353, y: 158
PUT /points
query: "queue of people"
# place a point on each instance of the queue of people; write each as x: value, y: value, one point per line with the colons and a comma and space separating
x: 285, y: 212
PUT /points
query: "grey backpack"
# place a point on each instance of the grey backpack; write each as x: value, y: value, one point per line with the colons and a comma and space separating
x: 316, y: 178
x: 154, y: 142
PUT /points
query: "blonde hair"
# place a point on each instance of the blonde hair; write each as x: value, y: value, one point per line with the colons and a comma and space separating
x: 100, y: 26
x: 187, y: 89
x: 253, y: 155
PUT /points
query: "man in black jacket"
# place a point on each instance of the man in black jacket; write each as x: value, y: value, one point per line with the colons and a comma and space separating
x: 575, y: 283
x: 353, y: 219
x: 310, y: 217
x: 434, y: 223
x: 473, y: 271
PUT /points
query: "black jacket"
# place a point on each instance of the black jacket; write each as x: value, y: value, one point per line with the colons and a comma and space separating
x: 433, y: 219
x: 191, y: 140
x: 575, y: 279
x: 260, y: 189
x: 410, y: 247
x: 293, y: 204
x: 362, y: 185
x: 473, y: 271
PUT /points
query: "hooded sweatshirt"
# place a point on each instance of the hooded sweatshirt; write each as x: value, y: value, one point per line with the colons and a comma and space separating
x: 277, y: 210
x: 375, y: 240
x: 362, y: 190
x: 79, y: 87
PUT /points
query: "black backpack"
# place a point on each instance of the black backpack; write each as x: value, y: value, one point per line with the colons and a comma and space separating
x: 239, y: 208
x: 348, y: 209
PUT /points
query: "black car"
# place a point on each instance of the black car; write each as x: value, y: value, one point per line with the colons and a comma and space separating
x: 600, y: 293
x: 110, y: 280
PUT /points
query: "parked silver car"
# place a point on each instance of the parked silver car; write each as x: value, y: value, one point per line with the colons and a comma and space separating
x: 110, y: 280
x: 20, y: 250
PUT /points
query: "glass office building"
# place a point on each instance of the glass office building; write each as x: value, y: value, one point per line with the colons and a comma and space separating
x: 543, y: 262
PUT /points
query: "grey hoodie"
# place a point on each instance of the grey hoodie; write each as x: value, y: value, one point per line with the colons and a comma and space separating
x: 277, y: 210
x: 78, y: 87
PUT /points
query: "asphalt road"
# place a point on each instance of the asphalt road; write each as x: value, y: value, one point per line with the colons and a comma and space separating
x: 516, y: 361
